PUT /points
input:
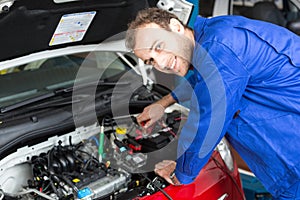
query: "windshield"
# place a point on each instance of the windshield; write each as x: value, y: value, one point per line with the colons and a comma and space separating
x: 43, y: 76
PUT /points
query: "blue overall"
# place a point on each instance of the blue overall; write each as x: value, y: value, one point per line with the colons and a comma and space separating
x: 246, y: 84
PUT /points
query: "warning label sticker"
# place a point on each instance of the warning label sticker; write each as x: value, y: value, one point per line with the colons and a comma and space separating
x: 72, y: 27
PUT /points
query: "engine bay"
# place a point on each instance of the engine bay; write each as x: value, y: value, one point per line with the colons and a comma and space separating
x: 113, y: 159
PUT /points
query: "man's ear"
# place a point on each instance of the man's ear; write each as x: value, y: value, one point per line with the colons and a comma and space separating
x: 176, y: 26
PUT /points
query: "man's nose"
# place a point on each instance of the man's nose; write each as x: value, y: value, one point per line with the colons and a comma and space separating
x: 159, y: 61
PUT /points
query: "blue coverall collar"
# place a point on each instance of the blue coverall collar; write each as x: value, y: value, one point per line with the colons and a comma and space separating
x: 198, y: 27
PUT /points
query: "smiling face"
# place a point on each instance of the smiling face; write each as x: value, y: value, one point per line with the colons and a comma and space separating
x: 167, y: 51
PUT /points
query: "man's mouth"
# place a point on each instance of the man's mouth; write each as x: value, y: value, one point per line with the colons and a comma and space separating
x: 173, y: 63
x: 171, y: 67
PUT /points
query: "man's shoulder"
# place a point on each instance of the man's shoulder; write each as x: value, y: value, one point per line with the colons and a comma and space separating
x: 256, y: 30
x: 236, y: 31
x: 226, y: 21
x: 217, y: 29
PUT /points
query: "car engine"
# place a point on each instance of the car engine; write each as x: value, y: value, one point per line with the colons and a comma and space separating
x: 113, y: 159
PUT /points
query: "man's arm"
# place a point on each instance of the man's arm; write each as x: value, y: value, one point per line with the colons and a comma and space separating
x: 222, y: 79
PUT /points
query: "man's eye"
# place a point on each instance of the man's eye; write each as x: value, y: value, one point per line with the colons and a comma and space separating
x: 149, y: 61
x: 158, y: 47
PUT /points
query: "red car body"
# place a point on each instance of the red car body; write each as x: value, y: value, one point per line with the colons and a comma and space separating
x: 215, y: 181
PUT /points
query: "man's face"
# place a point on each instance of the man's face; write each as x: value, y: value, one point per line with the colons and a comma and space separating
x: 167, y: 51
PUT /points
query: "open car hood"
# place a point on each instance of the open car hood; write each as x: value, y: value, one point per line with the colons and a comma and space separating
x: 30, y: 26
x: 70, y: 94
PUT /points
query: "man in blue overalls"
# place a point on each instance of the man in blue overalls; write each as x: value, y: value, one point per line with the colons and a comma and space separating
x: 246, y: 83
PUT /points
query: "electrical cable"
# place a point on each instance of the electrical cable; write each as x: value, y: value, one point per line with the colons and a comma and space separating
x: 1, y: 195
x: 46, y: 187
x: 110, y: 121
x: 27, y: 191
x: 168, y: 129
x: 70, y: 183
x: 219, y: 165
x: 180, y: 118
x: 70, y: 141
x: 161, y: 190
x: 95, y: 139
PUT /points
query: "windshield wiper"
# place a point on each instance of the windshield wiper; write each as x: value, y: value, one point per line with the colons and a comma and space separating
x: 57, y: 92
x: 30, y: 101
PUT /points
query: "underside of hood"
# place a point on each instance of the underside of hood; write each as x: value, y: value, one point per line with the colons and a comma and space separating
x: 30, y: 26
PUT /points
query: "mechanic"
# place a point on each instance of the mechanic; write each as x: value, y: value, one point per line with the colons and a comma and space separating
x: 245, y: 84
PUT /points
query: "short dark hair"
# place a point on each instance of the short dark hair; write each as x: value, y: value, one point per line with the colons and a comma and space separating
x: 147, y: 16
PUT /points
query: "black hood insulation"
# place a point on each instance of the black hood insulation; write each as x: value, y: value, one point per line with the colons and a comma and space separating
x: 28, y: 25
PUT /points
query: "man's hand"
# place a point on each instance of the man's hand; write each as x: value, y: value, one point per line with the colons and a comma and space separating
x: 154, y: 112
x: 165, y: 169
x: 150, y: 115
